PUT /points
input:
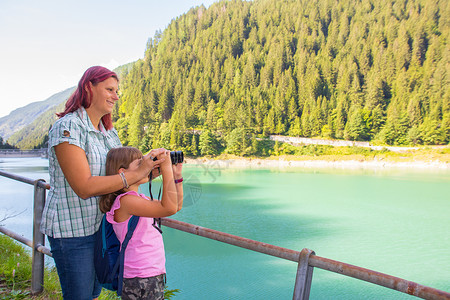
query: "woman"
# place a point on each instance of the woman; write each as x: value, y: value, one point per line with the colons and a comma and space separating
x: 78, y: 144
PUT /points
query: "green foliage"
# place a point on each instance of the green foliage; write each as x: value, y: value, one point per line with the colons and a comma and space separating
x: 264, y: 147
x: 356, y: 129
x: 239, y: 142
x: 235, y: 140
x: 432, y: 132
x: 267, y: 147
x: 15, y: 268
x: 5, y: 145
x: 15, y: 273
x: 208, y: 143
x: 353, y: 69
x: 110, y: 295
x: 168, y: 294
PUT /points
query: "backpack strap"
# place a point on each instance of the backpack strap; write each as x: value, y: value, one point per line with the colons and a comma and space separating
x: 132, y: 223
x: 104, y: 235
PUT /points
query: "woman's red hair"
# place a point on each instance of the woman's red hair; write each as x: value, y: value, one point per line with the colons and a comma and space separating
x: 81, y: 97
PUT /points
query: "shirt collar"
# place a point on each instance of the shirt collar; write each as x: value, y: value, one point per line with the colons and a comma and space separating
x: 82, y: 113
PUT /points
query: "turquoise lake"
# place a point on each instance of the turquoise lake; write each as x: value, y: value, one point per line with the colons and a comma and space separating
x: 394, y: 221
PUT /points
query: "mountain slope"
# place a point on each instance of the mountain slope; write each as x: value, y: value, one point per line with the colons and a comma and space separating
x: 35, y: 134
x: 22, y: 117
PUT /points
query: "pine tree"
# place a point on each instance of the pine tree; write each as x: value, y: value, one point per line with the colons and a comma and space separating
x: 355, y: 129
x: 207, y: 143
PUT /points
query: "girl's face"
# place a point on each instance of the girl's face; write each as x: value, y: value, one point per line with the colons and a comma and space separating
x: 104, y: 95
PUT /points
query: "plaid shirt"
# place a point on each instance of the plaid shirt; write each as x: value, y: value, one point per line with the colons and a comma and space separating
x: 65, y: 214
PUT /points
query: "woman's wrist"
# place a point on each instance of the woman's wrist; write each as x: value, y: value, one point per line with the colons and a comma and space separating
x: 124, y: 180
x: 178, y: 179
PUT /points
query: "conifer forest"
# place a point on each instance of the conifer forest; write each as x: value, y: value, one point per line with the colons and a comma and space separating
x: 220, y: 80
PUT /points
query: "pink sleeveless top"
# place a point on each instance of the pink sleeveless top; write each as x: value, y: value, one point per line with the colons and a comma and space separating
x: 144, y: 256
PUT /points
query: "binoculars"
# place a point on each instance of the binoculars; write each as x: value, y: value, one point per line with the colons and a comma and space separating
x: 176, y: 157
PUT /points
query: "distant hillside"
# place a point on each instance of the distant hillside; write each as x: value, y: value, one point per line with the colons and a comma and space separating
x: 35, y: 134
x: 123, y: 70
x: 21, y: 117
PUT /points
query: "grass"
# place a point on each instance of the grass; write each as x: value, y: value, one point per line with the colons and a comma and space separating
x: 15, y: 275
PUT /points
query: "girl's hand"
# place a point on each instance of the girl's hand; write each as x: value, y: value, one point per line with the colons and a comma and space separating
x: 164, y: 157
x: 177, y: 169
x: 155, y: 172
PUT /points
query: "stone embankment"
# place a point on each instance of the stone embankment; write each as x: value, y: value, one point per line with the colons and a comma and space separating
x: 308, y: 141
x: 23, y: 153
x: 317, y: 162
x: 210, y: 165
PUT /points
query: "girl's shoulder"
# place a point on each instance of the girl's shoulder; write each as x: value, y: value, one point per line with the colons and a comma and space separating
x: 116, y: 205
x: 126, y: 195
x: 131, y: 193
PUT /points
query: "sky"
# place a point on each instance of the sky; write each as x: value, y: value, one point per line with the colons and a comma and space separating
x: 46, y: 45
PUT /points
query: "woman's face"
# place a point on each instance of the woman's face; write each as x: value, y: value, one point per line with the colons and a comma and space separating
x: 104, y: 95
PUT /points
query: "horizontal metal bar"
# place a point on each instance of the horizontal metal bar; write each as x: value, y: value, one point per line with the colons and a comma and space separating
x: 24, y: 240
x: 24, y: 179
x: 233, y: 240
x: 44, y: 250
x: 392, y: 282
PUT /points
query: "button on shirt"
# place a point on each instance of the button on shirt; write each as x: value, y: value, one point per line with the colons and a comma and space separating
x: 65, y: 214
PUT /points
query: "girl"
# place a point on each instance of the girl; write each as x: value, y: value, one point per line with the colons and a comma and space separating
x: 144, y: 268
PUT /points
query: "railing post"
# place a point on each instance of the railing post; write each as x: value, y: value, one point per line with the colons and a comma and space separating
x: 304, y: 276
x: 37, y: 264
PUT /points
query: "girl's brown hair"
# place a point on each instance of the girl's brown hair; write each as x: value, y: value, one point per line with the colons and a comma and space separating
x: 117, y: 158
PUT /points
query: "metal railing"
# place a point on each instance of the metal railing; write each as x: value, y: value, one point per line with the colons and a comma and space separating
x: 306, y: 259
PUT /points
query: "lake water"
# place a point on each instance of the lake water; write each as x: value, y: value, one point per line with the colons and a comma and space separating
x: 392, y: 221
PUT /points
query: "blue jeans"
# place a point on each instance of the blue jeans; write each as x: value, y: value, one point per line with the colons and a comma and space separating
x: 74, y: 260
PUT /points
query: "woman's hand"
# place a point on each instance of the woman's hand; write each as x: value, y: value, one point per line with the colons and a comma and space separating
x: 164, y: 157
x: 150, y: 162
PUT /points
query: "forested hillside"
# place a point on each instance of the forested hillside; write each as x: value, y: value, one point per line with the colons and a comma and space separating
x: 347, y: 69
